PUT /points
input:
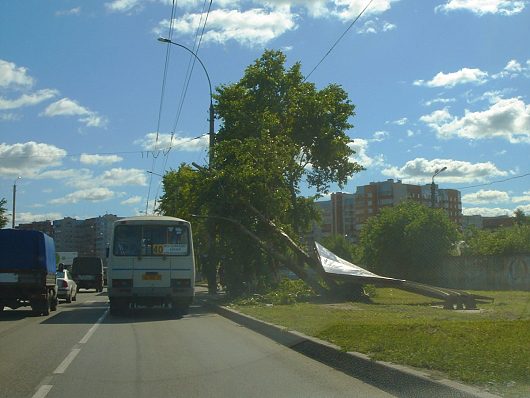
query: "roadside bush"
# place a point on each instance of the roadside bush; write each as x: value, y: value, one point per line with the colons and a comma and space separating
x: 287, y: 292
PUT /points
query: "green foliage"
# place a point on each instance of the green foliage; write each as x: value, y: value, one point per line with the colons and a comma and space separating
x: 287, y: 292
x: 407, y: 241
x: 3, y: 210
x: 273, y: 126
x: 503, y: 241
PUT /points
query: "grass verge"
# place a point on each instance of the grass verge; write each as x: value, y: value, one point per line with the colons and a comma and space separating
x: 488, y: 348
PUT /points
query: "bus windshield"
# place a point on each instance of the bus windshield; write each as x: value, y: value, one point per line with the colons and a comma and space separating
x: 151, y: 240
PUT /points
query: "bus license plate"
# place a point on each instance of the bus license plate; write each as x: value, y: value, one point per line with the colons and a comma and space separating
x: 151, y: 277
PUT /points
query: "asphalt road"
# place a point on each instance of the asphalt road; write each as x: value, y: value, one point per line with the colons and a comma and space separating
x: 82, y: 351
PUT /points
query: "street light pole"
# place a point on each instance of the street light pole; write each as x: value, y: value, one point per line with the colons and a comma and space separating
x: 211, y: 131
x: 210, y: 264
x: 433, y: 187
x: 14, y: 200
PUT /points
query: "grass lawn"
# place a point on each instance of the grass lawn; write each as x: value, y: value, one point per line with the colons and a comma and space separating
x: 489, y: 347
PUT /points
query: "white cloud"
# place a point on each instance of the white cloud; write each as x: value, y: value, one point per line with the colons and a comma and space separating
x: 251, y: 28
x: 99, y: 159
x: 27, y: 99
x: 132, y: 200
x: 400, y: 122
x: 25, y: 217
x: 166, y: 141
x: 508, y: 119
x: 463, y: 76
x: 123, y: 5
x: 12, y: 76
x: 29, y: 158
x: 89, y: 195
x: 486, y: 196
x: 360, y: 146
x: 119, y: 176
x: 440, y: 101
x: 523, y: 198
x: 376, y: 26
x: 71, y: 11
x: 421, y: 170
x: 379, y: 136
x: 482, y: 7
x: 486, y: 211
x: 68, y: 107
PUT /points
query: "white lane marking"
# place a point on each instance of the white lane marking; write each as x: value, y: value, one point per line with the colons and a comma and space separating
x: 42, y: 391
x: 93, y: 328
x: 67, y: 361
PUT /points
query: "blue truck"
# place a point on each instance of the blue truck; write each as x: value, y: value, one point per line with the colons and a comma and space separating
x: 27, y: 271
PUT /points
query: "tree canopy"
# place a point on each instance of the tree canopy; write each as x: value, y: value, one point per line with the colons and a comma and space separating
x: 3, y: 210
x: 407, y: 240
x: 277, y: 132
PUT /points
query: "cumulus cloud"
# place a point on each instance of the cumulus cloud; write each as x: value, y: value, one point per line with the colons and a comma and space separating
x: 68, y: 107
x: 507, y: 118
x: 89, y: 195
x: 376, y: 26
x: 71, y: 11
x: 251, y: 28
x: 379, y: 136
x: 486, y: 196
x: 134, y: 200
x: 486, y: 211
x: 463, y: 76
x: 13, y: 76
x: 421, y: 170
x: 440, y: 101
x: 27, y: 99
x: 166, y: 141
x: 99, y: 159
x: 481, y: 7
x: 26, y: 217
x: 360, y: 146
x: 28, y: 159
x: 523, y: 198
x: 85, y: 179
x: 123, y: 5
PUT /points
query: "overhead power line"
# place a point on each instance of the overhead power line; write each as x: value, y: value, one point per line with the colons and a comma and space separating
x: 495, y: 182
x: 338, y: 40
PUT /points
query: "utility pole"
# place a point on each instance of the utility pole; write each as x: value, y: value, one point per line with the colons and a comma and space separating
x: 14, y: 200
x: 433, y: 186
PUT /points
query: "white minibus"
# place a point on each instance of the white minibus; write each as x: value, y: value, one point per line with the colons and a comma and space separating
x: 151, y: 262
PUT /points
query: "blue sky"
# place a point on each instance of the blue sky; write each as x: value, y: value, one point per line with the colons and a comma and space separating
x: 435, y: 83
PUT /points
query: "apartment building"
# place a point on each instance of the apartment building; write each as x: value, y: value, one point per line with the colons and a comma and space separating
x: 344, y: 214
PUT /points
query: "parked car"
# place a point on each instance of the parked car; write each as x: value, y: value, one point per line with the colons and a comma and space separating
x: 66, y: 286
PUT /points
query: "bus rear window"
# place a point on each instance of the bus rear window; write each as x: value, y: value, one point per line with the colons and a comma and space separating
x: 151, y: 240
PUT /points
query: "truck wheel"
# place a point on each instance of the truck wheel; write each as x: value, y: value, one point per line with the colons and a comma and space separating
x: 53, y: 304
x: 46, y: 306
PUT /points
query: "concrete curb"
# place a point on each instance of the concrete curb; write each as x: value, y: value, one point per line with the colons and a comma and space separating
x: 397, y: 380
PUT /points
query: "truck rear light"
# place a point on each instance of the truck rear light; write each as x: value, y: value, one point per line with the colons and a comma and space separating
x: 64, y: 283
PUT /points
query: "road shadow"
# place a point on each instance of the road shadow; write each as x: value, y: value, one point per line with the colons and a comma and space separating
x: 156, y: 314
x: 15, y: 315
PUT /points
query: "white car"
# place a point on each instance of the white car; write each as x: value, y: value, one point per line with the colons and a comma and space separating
x: 66, y: 286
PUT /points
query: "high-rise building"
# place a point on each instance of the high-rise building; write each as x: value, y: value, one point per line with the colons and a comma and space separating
x: 344, y: 214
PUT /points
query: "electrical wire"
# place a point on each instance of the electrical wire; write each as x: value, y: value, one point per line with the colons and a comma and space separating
x: 494, y: 182
x: 164, y: 80
x: 338, y: 40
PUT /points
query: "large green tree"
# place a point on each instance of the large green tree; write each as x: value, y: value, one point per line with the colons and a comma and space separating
x: 3, y: 210
x: 277, y: 132
x: 273, y: 101
x: 502, y: 241
x: 407, y: 241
